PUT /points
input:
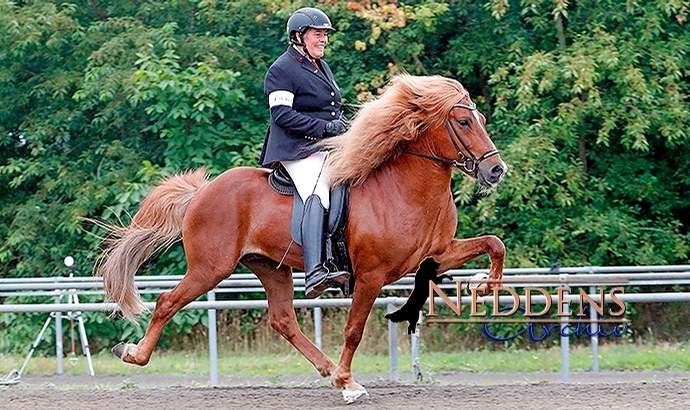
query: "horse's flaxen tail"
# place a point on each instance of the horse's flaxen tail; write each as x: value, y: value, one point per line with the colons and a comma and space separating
x: 155, y: 227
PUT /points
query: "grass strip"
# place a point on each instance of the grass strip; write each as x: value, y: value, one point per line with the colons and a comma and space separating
x: 615, y: 357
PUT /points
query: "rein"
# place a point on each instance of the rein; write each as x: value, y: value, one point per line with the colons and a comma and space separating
x: 468, y: 163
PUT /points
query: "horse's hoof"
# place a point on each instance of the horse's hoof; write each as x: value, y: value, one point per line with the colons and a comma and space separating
x: 352, y: 396
x: 119, y: 350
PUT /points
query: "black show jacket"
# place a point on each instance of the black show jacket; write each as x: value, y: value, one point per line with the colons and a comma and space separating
x: 316, y: 100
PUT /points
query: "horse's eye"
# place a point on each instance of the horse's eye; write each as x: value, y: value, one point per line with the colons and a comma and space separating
x: 464, y: 123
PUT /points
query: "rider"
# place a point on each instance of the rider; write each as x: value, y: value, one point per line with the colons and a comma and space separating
x: 305, y: 104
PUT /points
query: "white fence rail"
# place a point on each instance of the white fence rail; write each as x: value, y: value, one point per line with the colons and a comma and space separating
x: 580, y: 277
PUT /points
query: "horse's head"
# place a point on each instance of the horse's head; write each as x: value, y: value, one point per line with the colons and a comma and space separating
x: 431, y: 117
x: 459, y: 139
x: 475, y: 153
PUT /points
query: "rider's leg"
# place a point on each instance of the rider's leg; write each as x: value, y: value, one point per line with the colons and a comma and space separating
x: 315, y: 280
x: 306, y: 175
x: 314, y: 191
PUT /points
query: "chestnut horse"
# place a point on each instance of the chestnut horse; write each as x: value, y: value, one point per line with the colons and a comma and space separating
x: 397, y: 156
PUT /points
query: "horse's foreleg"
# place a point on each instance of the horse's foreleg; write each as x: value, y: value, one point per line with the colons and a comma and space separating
x: 167, y: 304
x: 362, y: 301
x: 463, y: 250
x: 280, y: 291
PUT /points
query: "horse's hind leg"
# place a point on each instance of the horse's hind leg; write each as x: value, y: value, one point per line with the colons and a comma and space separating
x: 280, y: 294
x: 193, y: 284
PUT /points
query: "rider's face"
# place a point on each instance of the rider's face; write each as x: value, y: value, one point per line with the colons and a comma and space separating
x: 315, y: 40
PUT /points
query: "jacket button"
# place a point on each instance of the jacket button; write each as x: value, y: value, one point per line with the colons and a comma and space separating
x: 332, y: 102
x: 332, y: 113
x: 332, y: 93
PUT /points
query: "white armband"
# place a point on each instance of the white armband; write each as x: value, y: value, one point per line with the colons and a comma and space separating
x: 280, y: 97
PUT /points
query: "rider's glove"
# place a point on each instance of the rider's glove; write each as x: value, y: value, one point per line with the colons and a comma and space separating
x: 335, y: 127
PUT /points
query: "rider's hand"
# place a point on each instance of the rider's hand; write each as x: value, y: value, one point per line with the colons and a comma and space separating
x: 335, y: 127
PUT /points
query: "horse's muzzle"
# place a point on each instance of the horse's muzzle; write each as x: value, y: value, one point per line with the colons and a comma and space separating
x: 490, y: 173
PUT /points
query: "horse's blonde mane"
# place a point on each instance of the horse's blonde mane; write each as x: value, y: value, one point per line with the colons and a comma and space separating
x: 382, y: 127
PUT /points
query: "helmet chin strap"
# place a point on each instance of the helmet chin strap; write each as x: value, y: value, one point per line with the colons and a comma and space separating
x: 300, y: 43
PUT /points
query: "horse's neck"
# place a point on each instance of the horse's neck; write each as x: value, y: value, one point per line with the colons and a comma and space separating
x: 425, y: 174
x: 406, y: 210
x: 415, y: 177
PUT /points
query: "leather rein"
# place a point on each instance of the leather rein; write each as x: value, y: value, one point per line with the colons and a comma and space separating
x: 467, y: 162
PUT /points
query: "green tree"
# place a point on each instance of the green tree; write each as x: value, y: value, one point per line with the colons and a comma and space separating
x: 593, y: 122
x: 586, y: 100
x: 98, y: 107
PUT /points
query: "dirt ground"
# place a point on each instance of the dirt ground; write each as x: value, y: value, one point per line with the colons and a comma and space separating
x: 603, y: 390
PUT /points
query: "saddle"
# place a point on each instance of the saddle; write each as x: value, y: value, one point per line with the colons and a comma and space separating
x: 337, y: 255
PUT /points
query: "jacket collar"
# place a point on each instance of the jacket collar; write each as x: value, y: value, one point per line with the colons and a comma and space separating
x: 309, y: 66
x: 296, y: 55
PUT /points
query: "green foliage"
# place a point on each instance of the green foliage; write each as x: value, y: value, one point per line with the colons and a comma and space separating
x: 591, y: 130
x: 587, y: 102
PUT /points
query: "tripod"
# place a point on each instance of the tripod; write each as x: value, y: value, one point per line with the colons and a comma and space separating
x: 72, y: 298
x: 14, y: 376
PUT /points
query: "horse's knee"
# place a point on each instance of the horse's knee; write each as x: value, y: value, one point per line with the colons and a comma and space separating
x: 495, y: 246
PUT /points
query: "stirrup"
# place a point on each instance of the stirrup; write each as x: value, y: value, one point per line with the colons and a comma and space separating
x: 314, y: 291
x: 338, y: 278
x: 329, y: 280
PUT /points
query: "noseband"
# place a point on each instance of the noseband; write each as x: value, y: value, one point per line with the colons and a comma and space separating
x: 466, y: 162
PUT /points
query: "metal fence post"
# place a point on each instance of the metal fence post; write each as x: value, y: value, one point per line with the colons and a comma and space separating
x: 317, y: 327
x: 593, y: 328
x: 213, y: 340
x: 58, y: 334
x: 565, y: 340
x: 393, y: 346
x: 414, y: 342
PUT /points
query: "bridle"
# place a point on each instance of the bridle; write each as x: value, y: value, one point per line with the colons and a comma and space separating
x: 469, y: 163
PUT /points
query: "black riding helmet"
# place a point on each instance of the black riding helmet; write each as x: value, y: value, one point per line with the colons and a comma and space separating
x: 304, y: 18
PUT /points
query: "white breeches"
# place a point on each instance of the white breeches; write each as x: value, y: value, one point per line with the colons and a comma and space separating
x: 309, y: 177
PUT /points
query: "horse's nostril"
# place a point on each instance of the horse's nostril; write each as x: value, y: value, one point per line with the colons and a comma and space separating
x: 496, y: 171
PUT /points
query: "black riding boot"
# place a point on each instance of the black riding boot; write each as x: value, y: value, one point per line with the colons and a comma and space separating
x: 317, y: 277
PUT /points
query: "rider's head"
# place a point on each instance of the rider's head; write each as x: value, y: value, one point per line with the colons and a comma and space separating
x: 304, y: 19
